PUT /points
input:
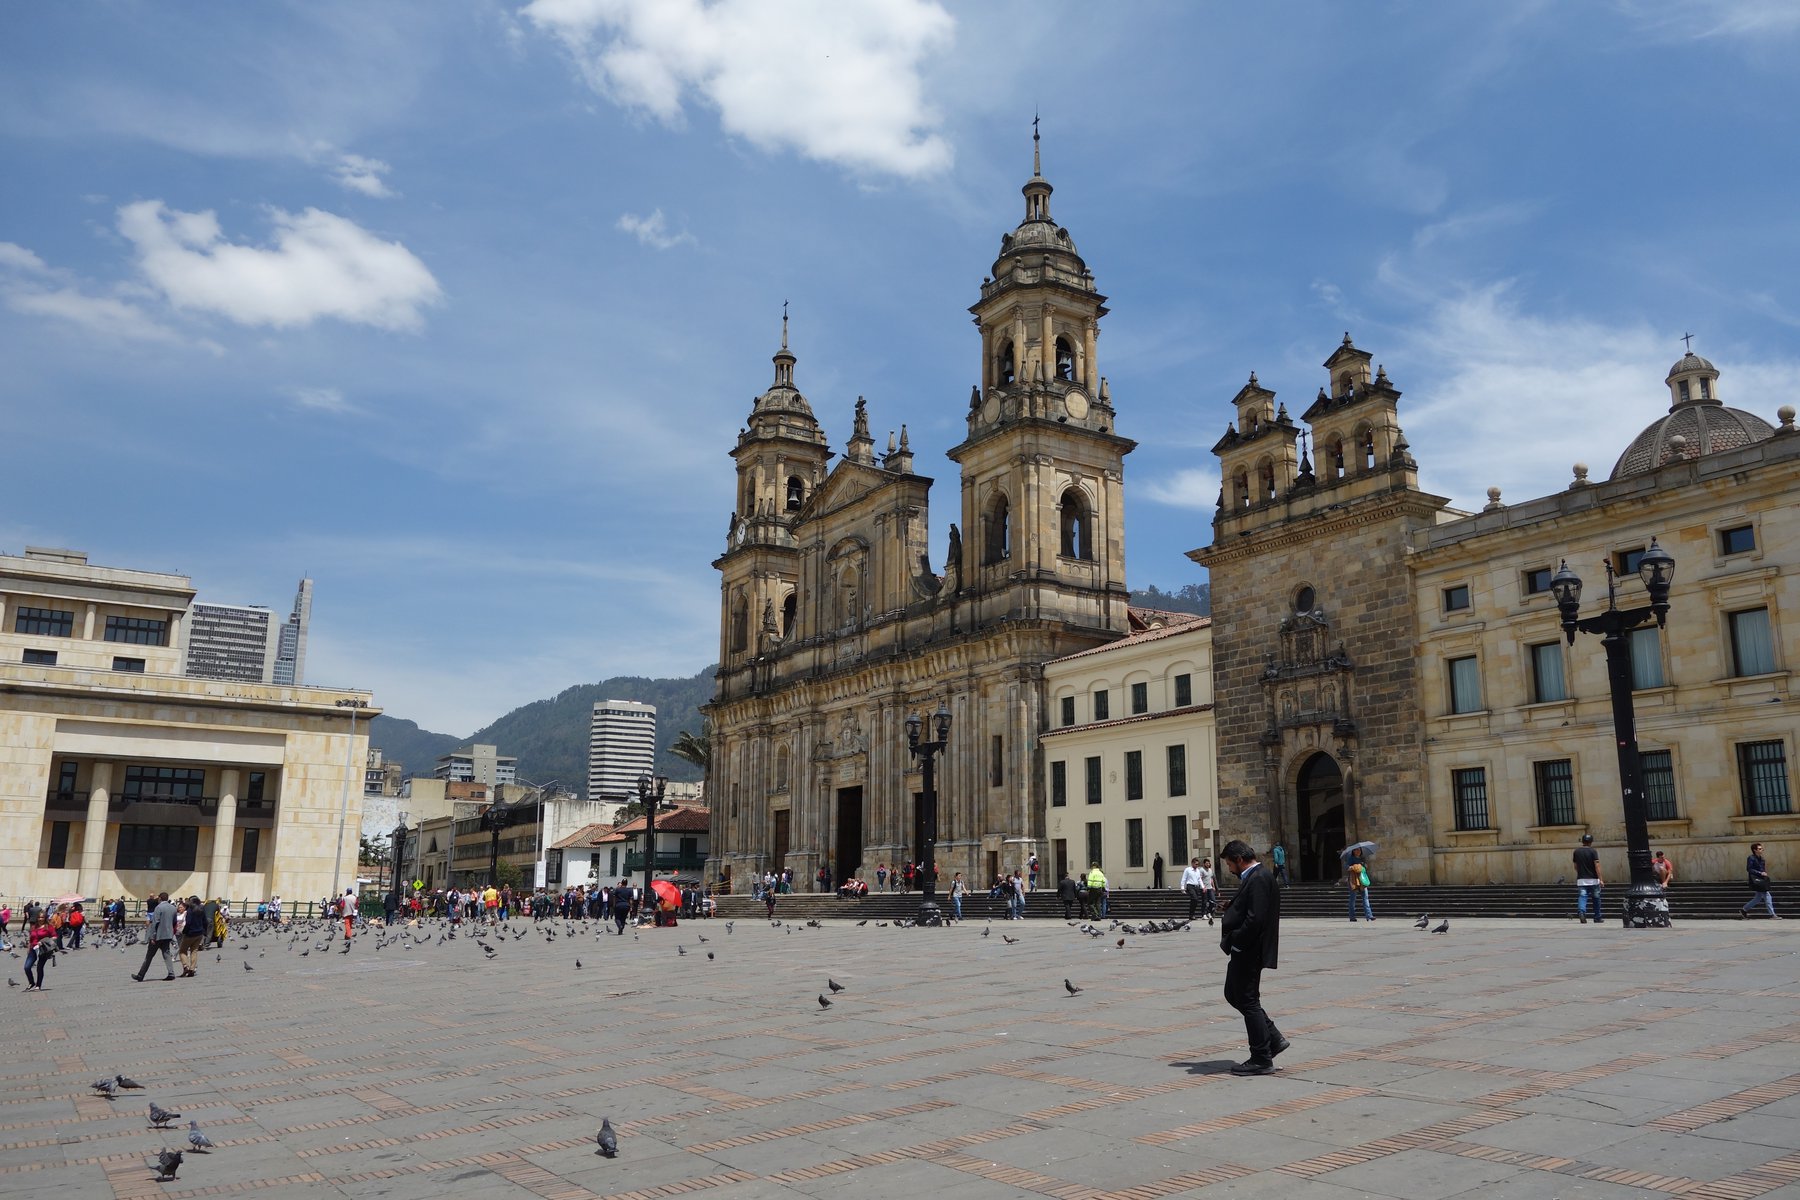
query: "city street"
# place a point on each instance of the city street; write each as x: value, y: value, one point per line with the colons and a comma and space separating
x: 1523, y: 1059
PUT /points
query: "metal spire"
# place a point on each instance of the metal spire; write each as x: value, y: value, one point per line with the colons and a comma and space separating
x: 1037, y: 161
x: 784, y: 305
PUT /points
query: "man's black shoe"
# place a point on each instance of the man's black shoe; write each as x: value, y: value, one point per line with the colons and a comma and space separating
x: 1254, y: 1066
x: 1280, y: 1045
x: 139, y: 978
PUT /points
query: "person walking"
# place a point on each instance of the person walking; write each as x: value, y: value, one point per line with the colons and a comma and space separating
x: 1032, y: 867
x: 1357, y: 872
x: 193, y: 936
x: 38, y: 956
x: 1096, y: 885
x: 1278, y: 856
x: 1156, y: 871
x: 1069, y: 892
x: 958, y: 889
x: 161, y: 936
x: 1250, y: 934
x: 77, y: 925
x: 1756, y: 867
x: 1209, y: 890
x: 1588, y: 880
x: 621, y: 905
x: 1190, y: 885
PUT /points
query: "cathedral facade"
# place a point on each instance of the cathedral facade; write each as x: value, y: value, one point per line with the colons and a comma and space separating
x: 836, y: 625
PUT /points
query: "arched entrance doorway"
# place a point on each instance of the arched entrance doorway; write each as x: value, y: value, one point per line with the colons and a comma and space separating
x: 1319, y: 804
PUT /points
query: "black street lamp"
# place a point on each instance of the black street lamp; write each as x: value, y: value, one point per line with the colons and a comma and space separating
x: 926, y: 753
x: 1645, y: 904
x: 650, y: 795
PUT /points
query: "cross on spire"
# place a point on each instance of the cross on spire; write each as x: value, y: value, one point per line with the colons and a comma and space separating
x: 1037, y: 162
x: 784, y: 305
x: 1687, y: 339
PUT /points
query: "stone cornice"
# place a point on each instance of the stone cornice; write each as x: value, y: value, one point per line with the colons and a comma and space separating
x: 1309, y: 527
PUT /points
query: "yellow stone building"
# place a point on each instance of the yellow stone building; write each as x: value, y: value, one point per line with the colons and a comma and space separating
x: 835, y: 626
x: 1393, y: 670
x: 121, y: 776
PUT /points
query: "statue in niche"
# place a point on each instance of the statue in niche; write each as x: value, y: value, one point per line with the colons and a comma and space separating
x: 849, y: 738
x: 770, y: 629
x: 953, y: 562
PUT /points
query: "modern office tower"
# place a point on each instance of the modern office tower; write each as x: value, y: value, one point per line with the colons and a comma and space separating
x: 230, y: 641
x: 477, y: 763
x: 290, y: 656
x: 621, y: 747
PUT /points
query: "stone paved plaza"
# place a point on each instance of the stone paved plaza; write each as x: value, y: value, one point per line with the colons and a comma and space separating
x: 1503, y: 1059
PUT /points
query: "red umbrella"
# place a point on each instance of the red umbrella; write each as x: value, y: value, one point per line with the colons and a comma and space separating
x: 667, y: 894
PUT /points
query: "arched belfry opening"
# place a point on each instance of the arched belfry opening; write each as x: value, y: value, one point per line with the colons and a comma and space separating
x: 796, y: 493
x: 790, y: 613
x: 1005, y: 370
x: 1077, y: 526
x: 1065, y: 360
x: 1320, y: 809
x: 996, y: 534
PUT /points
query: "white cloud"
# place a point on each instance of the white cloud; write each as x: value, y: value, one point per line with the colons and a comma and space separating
x: 30, y: 286
x: 320, y: 265
x: 837, y: 82
x: 1683, y: 19
x: 1191, y: 487
x: 653, y: 230
x: 363, y: 175
x: 322, y: 399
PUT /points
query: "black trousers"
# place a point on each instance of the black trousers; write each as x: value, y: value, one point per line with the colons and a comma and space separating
x: 1193, y: 895
x: 620, y: 916
x: 150, y: 952
x: 1243, y: 991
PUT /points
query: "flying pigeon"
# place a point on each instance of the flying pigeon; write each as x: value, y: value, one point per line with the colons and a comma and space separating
x: 167, y: 1163
x: 199, y: 1141
x: 160, y: 1116
x: 1071, y: 988
x: 833, y: 984
x: 607, y: 1140
x: 1444, y: 928
x: 823, y: 1002
x: 128, y: 1083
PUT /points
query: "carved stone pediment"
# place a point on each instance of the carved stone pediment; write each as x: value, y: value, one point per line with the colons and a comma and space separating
x: 1308, y: 680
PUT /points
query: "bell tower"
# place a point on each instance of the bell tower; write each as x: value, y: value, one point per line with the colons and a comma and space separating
x: 781, y: 455
x: 1042, y: 469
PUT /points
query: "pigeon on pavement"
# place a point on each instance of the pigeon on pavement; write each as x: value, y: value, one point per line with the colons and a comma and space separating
x: 1071, y: 988
x: 1011, y: 941
x: 125, y: 1081
x: 160, y: 1116
x: 248, y: 967
x: 833, y: 984
x: 607, y: 1140
x: 1444, y: 928
x: 1423, y: 922
x: 823, y: 1002
x: 105, y: 1087
x: 167, y: 1163
x: 199, y: 1141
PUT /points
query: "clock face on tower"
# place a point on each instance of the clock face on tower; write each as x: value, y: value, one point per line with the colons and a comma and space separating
x: 1076, y: 404
x: 990, y: 412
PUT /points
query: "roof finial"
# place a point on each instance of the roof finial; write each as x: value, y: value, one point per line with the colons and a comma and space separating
x: 784, y: 305
x: 1037, y: 161
x: 1687, y: 339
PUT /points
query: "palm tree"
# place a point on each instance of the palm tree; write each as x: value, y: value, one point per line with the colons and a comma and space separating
x: 694, y: 748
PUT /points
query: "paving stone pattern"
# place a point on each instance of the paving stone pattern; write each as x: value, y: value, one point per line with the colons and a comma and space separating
x: 1512, y: 1058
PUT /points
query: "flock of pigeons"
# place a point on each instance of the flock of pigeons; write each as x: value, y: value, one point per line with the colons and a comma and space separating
x: 168, y: 1161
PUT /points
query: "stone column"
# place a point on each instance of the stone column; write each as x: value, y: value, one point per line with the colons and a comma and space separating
x: 1092, y: 374
x: 87, y: 623
x: 93, y: 834
x: 224, y: 831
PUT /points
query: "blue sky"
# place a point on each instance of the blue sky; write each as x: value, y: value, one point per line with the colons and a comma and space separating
x: 457, y: 307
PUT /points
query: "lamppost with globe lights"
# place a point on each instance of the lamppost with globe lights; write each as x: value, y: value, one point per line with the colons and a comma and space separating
x: 926, y: 752
x: 1645, y: 903
x: 650, y: 794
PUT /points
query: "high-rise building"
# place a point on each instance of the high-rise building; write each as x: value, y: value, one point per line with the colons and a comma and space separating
x: 290, y: 657
x: 230, y: 641
x: 242, y: 642
x: 477, y: 763
x: 621, y: 747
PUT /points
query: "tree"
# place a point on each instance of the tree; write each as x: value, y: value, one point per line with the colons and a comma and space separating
x: 695, y: 748
x: 509, y: 874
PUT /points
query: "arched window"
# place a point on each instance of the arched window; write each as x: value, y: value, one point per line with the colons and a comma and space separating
x: 1077, y: 526
x: 997, y: 533
x: 1065, y: 360
x: 740, y: 624
x: 790, y: 612
x: 1334, y: 458
x: 1683, y: 385
x: 1365, y: 447
x: 1265, y: 481
x: 1346, y: 385
x: 796, y: 493
x: 1004, y: 370
x: 1705, y: 388
x: 1240, y: 487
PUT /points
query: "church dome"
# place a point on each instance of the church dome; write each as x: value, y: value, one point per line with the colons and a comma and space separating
x: 1691, y: 362
x: 1689, y: 431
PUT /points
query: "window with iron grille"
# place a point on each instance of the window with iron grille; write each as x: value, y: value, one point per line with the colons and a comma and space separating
x: 1059, y: 784
x: 1093, y: 844
x: 1657, y: 768
x: 1555, y: 792
x: 1134, y: 774
x: 1184, y: 690
x: 1470, y: 786
x: 1102, y: 705
x: 1134, y: 842
x: 1177, y: 770
x: 1762, y: 773
x: 1093, y: 780
x: 1140, y: 699
x: 1178, y: 839
x: 1068, y: 710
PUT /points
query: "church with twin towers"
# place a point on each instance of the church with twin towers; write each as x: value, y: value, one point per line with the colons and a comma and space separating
x: 838, y: 620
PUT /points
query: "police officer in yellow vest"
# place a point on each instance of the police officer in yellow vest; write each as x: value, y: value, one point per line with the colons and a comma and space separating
x: 1096, y: 885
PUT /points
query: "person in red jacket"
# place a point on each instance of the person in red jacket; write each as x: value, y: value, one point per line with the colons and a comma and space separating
x: 43, y: 948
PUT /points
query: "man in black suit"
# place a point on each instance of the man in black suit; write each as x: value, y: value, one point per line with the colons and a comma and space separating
x: 1250, y: 932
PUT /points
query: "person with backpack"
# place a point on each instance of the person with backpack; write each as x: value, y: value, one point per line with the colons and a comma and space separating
x: 76, y: 923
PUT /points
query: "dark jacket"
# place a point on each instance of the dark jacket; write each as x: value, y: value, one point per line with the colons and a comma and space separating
x: 1067, y: 890
x: 1252, y: 922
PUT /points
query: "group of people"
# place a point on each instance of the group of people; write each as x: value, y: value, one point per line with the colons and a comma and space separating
x: 48, y: 930
x: 1590, y: 882
x: 185, y: 926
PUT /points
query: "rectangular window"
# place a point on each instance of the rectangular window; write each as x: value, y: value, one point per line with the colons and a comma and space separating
x: 1068, y: 711
x: 1470, y: 786
x: 1465, y: 685
x: 1547, y: 673
x: 1752, y: 649
x: 167, y: 785
x: 1134, y: 842
x: 59, y: 846
x: 1093, y: 844
x: 1059, y: 784
x: 1178, y: 840
x: 1177, y: 770
x: 1658, y: 770
x: 65, y: 779
x: 1134, y: 774
x: 1762, y: 773
x: 1140, y: 699
x: 1555, y: 792
x: 1456, y: 599
x: 996, y: 761
x: 134, y: 665
x: 1093, y: 780
x: 252, y: 843
x: 1625, y: 562
x: 137, y: 631
x: 1537, y: 581
x: 254, y: 785
x: 156, y: 848
x: 45, y: 622
x: 40, y: 658
x: 1184, y: 690
x: 1102, y: 705
x: 1646, y: 658
x: 1740, y: 539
